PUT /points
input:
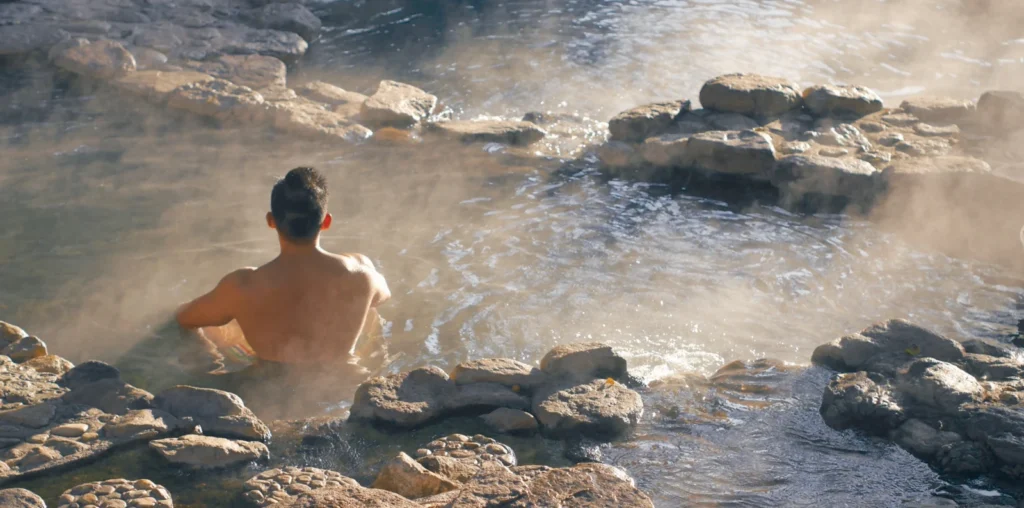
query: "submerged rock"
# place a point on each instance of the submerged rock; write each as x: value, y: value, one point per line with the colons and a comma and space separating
x: 639, y: 123
x: 838, y: 100
x: 397, y: 105
x: 25, y: 349
x: 584, y: 361
x: 209, y: 452
x: 406, y: 477
x: 284, y: 485
x: 508, y: 132
x: 117, y: 492
x: 103, y: 59
x: 219, y: 413
x: 750, y: 94
x: 511, y: 421
x: 745, y: 153
x: 600, y: 408
x: 939, y: 110
x: 218, y: 99
x: 20, y: 498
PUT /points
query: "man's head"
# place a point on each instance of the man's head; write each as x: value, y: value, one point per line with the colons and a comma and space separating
x: 298, y: 205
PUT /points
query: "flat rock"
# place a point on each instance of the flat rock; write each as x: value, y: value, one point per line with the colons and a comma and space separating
x: 207, y: 452
x: 158, y: 85
x: 929, y: 130
x: 503, y: 371
x: 397, y: 105
x: 830, y: 176
x: 69, y: 430
x: 50, y: 364
x: 406, y: 477
x: 883, y: 347
x: 25, y: 349
x: 667, y: 150
x: 24, y: 386
x: 23, y: 39
x: 286, y: 17
x: 639, y: 123
x: 219, y: 413
x: 35, y: 416
x: 599, y: 408
x: 511, y: 421
x: 305, y: 118
x: 407, y: 399
x: 939, y: 386
x: 117, y: 492
x: 587, y: 486
x: 141, y: 424
x: 509, y: 132
x: 343, y: 101
x: 10, y: 333
x: 103, y: 59
x: 493, y: 485
x: 1001, y: 111
x: 618, y: 155
x: 939, y: 110
x: 20, y: 498
x: 110, y: 395
x: 253, y: 71
x: 856, y: 400
x: 584, y: 361
x: 838, y: 100
x: 745, y: 153
x: 355, y: 496
x: 218, y: 99
x: 750, y: 94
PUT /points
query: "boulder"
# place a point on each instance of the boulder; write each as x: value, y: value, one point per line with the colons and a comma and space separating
x: 587, y: 486
x: 20, y: 498
x: 667, y: 150
x: 991, y: 368
x: 117, y: 493
x: 406, y: 477
x: 939, y: 110
x: 798, y: 175
x: 219, y: 413
x: 750, y: 94
x: 140, y: 424
x: 509, y: 132
x: 857, y: 400
x: 206, y: 452
x: 838, y: 100
x: 642, y: 122
x: 745, y: 153
x: 34, y: 416
x: 882, y: 347
x: 284, y: 485
x: 157, y: 85
x: 939, y: 386
x: 25, y: 349
x: 102, y: 59
x: 23, y: 39
x: 407, y: 399
x: 218, y: 99
x: 718, y: 121
x: 584, y: 361
x: 923, y: 440
x: 305, y: 118
x: 397, y: 105
x: 352, y: 495
x: 600, y: 408
x: 1001, y: 111
x: 69, y: 430
x: 511, y: 421
x: 110, y: 396
x: 343, y: 101
x: 50, y: 364
x: 503, y: 371
x: 10, y: 333
x: 989, y: 347
x: 286, y: 17
x: 253, y: 71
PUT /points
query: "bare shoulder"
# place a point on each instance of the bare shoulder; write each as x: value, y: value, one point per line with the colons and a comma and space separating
x: 355, y: 262
x: 238, y: 279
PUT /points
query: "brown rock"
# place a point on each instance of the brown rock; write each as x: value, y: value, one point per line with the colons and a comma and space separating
x: 253, y: 71
x: 750, y: 94
x: 587, y: 486
x: 50, y: 364
x: 346, y: 495
x: 508, y: 132
x: 157, y: 85
x: 939, y: 110
x: 209, y: 452
x: 639, y: 123
x: 746, y: 153
x: 504, y: 371
x: 584, y: 361
x: 218, y: 99
x: 602, y: 408
x: 397, y: 105
x: 10, y: 333
x: 140, y: 424
x: 344, y: 102
x: 406, y: 477
x: 20, y: 498
x: 103, y: 59
x: 25, y: 349
x: 407, y: 399
x: 839, y: 100
x: 305, y: 118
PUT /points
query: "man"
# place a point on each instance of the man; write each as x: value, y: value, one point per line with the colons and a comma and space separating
x: 308, y: 306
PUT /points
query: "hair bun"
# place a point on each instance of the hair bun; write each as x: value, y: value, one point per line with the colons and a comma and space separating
x: 294, y: 179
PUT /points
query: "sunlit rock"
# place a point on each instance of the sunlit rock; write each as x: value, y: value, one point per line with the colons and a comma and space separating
x: 841, y: 100
x: 102, y: 59
x: 750, y: 94
x: 885, y: 346
x: 352, y: 495
x: 472, y: 451
x: 502, y: 371
x: 407, y: 399
x: 10, y: 333
x: 219, y: 413
x: 305, y: 118
x: 218, y: 99
x: 397, y: 105
x: 283, y: 485
x: 589, y: 486
x: 639, y: 123
x: 511, y: 421
x: 509, y: 132
x: 206, y: 452
x: 584, y: 361
x: 928, y: 130
x: 50, y: 364
x: 117, y: 492
x: 157, y: 85
x: 25, y: 349
x: 20, y: 498
x: 939, y: 110
x: 112, y: 396
x: 141, y: 424
x: 343, y: 102
x: 599, y: 408
x: 857, y: 400
x: 34, y: 416
x: 667, y: 150
x: 745, y: 153
x: 404, y: 476
x: 938, y: 385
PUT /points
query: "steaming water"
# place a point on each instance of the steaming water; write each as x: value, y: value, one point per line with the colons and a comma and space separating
x: 114, y: 214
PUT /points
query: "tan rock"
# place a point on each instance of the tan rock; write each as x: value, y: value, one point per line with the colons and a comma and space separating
x: 828, y: 100
x: 642, y: 122
x: 746, y: 153
x: 209, y: 452
x: 218, y: 99
x: 50, y: 364
x: 584, y: 361
x: 587, y: 486
x: 35, y: 416
x: 157, y: 85
x: 397, y: 105
x: 25, y: 349
x: 306, y: 118
x: 103, y: 59
x: 70, y: 430
x: 253, y: 71
x: 144, y: 423
x: 750, y: 94
x: 510, y: 132
x: 404, y: 476
x: 10, y: 333
x: 939, y: 110
x: 503, y: 371
x: 602, y: 408
x: 344, y: 102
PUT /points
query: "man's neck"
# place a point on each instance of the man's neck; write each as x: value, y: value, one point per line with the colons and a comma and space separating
x: 293, y: 249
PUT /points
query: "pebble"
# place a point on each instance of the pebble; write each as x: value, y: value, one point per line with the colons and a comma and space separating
x: 70, y: 430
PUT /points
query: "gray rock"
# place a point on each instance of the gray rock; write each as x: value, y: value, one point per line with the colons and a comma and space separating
x: 844, y: 135
x: 20, y: 498
x: 980, y: 346
x: 964, y: 458
x: 750, y: 94
x: 745, y: 153
x: 305, y: 118
x: 110, y: 396
x: 140, y: 424
x: 218, y: 99
x: 25, y: 349
x: 875, y: 347
x: 799, y: 175
x: 1001, y: 111
x: 890, y: 139
x: 406, y: 477
x: 599, y: 408
x: 29, y: 38
x: 509, y: 132
x: 397, y: 105
x: 838, y: 100
x: 35, y: 416
x: 103, y: 59
x: 219, y: 413
x: 502, y: 371
x: 206, y: 452
x: 923, y: 440
x: 834, y: 152
x: 407, y: 399
x: 88, y: 372
x: 667, y: 150
x: 286, y: 17
x: 642, y: 122
x: 253, y: 71
x: 511, y: 421
x: 856, y: 400
x: 877, y: 159
x: 939, y: 110
x: 901, y: 119
x: 10, y: 333
x: 618, y: 155
x: 991, y: 368
x: 941, y: 387
x: 157, y: 85
x: 584, y: 361
x: 239, y: 40
x: 930, y: 502
x: 795, y: 147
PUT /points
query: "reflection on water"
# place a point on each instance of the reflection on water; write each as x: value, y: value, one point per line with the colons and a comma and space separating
x: 114, y: 215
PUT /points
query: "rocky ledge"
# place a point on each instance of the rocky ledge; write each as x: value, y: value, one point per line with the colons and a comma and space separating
x: 957, y: 405
x: 577, y: 390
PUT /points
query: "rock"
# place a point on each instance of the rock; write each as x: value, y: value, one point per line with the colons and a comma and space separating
x: 988, y: 347
x: 922, y: 147
x: 28, y: 38
x: 922, y: 439
x: 930, y: 502
x: 939, y: 110
x: 494, y: 485
x: 472, y: 451
x: 890, y: 139
x: 618, y: 155
x: 856, y: 400
x: 148, y: 59
x: 484, y: 396
x: 219, y: 99
x: 837, y: 100
x: 901, y: 119
x: 582, y: 450
x: 642, y: 122
x: 884, y: 346
x: 404, y: 476
x: 795, y: 148
x: 69, y: 430
x: 746, y: 153
x: 502, y: 371
x: 10, y: 333
x: 941, y: 166
x: 964, y: 458
x: 219, y: 413
x: 206, y: 452
x: 277, y: 486
x: 140, y: 424
x: 344, y: 102
x: 872, y: 127
x: 833, y: 152
x: 33, y: 457
x: 277, y: 94
x: 927, y: 130
x: 1001, y: 111
x: 750, y: 94
x: 584, y: 361
x: 406, y: 400
x: 35, y: 416
x: 253, y: 71
x: 600, y: 408
x: 843, y: 135
x: 110, y: 396
x: 103, y: 59
x: 877, y: 159
x: 511, y: 421
x: 158, y: 85
x: 286, y: 17
x: 667, y: 150
x: 238, y: 40
x: 397, y: 105
x: 88, y: 372
x: 20, y: 498
x: 507, y: 132
x: 25, y: 349
x: 799, y: 175
x: 587, y: 486
x: 305, y: 118
x: 347, y: 495
x: 50, y: 364
x: 717, y: 121
x: 449, y: 467
x: 118, y: 492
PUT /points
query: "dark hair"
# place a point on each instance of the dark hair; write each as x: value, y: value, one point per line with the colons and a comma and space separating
x: 299, y: 203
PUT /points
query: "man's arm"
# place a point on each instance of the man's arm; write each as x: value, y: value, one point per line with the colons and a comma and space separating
x: 217, y: 307
x: 379, y: 286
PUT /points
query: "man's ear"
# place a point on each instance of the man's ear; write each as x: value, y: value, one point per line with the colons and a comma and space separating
x: 270, y: 221
x: 327, y: 222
